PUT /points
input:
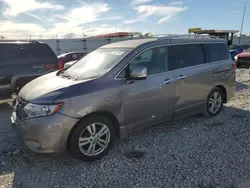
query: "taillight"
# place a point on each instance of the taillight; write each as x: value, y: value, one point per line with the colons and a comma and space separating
x: 234, y: 65
x: 60, y: 64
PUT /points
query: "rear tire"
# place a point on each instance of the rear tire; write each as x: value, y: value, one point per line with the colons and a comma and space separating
x: 92, y: 138
x: 214, y: 102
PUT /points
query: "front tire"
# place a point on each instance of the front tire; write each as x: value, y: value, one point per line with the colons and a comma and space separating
x: 214, y: 102
x: 92, y: 138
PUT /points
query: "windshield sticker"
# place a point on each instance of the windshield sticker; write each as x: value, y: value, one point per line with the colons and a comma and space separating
x: 117, y: 52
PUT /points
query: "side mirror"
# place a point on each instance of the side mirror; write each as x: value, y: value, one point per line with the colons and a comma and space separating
x: 138, y: 73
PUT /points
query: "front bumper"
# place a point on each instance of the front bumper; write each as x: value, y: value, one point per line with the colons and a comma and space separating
x: 47, y: 134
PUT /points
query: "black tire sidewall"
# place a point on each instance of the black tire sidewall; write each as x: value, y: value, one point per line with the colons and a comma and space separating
x: 207, y: 105
x: 75, y: 150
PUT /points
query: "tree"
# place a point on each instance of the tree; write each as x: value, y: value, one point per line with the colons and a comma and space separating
x: 69, y: 35
x: 2, y: 37
x: 145, y: 35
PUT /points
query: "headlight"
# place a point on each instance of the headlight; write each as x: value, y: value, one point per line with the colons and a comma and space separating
x: 236, y: 58
x: 34, y: 110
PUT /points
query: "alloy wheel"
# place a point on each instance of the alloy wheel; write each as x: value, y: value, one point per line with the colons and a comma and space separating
x: 215, y: 102
x: 94, y: 139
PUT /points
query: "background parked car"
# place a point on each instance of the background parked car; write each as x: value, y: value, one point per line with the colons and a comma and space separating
x: 243, y: 59
x: 21, y: 62
x: 70, y: 56
x: 234, y: 50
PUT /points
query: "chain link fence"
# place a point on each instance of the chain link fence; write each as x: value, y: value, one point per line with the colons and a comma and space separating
x: 60, y: 46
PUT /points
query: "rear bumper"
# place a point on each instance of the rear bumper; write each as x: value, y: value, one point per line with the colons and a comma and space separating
x: 46, y: 135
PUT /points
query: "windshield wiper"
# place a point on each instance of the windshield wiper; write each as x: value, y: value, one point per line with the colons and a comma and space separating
x: 68, y: 76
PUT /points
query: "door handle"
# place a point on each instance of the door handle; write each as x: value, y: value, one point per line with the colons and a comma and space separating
x: 181, y: 77
x: 167, y: 81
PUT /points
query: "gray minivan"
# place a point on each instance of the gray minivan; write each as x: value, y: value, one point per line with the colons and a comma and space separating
x: 121, y: 87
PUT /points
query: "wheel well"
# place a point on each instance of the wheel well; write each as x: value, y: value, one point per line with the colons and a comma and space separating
x: 106, y: 114
x: 223, y: 89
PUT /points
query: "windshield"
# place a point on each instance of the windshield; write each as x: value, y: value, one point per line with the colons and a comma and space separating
x: 97, y: 63
x: 248, y: 50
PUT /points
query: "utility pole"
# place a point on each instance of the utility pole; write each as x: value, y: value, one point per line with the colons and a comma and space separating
x: 242, y: 23
x: 84, y: 42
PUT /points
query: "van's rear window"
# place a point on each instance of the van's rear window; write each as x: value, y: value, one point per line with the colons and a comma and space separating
x: 25, y: 51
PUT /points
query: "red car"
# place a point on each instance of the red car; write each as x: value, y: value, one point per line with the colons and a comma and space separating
x: 243, y: 59
x: 70, y: 56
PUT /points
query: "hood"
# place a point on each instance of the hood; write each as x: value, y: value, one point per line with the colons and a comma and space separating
x: 244, y: 54
x: 45, y: 89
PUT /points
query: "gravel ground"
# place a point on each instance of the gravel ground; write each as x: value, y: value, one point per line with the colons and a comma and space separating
x: 194, y: 152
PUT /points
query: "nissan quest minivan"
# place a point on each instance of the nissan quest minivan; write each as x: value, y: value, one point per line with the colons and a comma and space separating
x: 121, y: 87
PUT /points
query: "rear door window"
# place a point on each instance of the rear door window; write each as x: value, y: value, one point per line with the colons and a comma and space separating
x: 217, y: 52
x: 187, y: 55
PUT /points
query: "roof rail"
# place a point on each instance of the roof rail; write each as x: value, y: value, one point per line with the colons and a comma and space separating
x: 187, y: 36
x: 34, y: 41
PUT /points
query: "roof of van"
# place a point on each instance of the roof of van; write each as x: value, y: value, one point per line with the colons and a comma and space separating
x: 137, y: 42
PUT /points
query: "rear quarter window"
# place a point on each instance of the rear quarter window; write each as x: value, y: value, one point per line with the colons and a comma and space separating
x: 217, y: 52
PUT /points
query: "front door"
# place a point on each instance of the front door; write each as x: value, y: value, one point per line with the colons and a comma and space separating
x: 150, y: 100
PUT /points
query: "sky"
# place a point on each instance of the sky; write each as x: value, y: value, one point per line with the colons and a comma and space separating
x: 75, y: 18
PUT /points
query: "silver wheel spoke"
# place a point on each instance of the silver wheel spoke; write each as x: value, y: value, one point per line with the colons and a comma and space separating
x: 219, y: 99
x: 89, y: 128
x: 215, y: 95
x: 216, y: 108
x: 212, y: 108
x: 90, y: 148
x: 84, y: 141
x: 93, y: 127
x: 103, y: 141
x: 101, y: 145
x: 210, y: 101
x: 103, y: 131
x: 93, y: 149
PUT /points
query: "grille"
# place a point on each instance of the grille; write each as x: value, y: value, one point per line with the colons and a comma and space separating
x: 243, y: 58
x: 21, y: 114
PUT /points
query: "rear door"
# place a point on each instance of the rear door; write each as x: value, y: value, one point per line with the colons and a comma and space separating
x: 223, y: 70
x: 219, y: 56
x: 193, y: 78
